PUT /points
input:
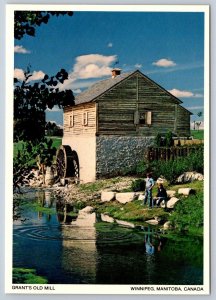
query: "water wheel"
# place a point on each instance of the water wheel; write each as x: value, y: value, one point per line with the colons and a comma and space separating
x: 67, y: 162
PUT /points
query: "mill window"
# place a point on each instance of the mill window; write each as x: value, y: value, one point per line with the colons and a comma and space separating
x: 85, y: 118
x: 71, y: 122
x: 143, y: 118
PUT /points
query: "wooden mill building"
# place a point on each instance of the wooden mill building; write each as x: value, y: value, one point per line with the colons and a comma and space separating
x: 112, y: 122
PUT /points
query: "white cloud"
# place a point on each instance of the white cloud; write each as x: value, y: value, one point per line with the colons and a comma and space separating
x: 36, y: 75
x: 195, y: 107
x: 19, y: 74
x: 184, y: 94
x: 164, y: 62
x: 89, y: 66
x: 21, y: 49
x: 198, y: 95
x: 93, y: 66
x: 109, y: 45
x: 181, y: 94
x: 55, y: 108
x: 138, y: 66
x: 77, y: 91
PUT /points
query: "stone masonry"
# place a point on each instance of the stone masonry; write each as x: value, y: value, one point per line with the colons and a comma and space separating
x: 117, y: 154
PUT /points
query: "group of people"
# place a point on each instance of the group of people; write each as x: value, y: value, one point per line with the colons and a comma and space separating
x: 161, y: 193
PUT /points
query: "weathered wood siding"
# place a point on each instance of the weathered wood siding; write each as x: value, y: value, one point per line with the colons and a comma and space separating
x: 183, y: 121
x: 73, y: 120
x: 117, y: 107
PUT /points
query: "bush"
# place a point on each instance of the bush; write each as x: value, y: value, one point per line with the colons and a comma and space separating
x: 27, y: 276
x: 173, y: 168
x: 169, y: 139
x: 138, y: 185
x: 158, y: 140
x: 188, y: 213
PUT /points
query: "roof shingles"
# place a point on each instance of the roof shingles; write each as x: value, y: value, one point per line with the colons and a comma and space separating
x: 99, y: 88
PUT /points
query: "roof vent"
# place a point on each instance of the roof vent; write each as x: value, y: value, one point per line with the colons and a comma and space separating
x: 116, y: 72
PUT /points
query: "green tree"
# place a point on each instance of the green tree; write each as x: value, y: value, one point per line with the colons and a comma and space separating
x: 25, y: 22
x: 30, y: 102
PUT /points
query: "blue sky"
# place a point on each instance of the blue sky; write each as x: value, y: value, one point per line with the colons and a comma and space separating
x: 167, y: 47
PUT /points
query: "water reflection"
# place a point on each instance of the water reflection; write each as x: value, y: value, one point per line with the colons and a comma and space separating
x: 149, y: 243
x: 76, y: 247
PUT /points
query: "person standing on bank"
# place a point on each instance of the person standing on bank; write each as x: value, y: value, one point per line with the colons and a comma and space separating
x: 148, y: 190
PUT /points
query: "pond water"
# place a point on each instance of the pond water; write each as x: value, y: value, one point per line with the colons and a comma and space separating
x: 50, y: 241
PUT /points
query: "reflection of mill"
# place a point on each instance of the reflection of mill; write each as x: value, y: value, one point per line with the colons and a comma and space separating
x: 45, y: 200
x: 79, y: 244
x: 110, y: 254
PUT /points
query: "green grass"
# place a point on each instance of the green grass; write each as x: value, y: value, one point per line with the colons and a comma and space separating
x: 197, y: 134
x: 131, y: 212
x: 98, y: 185
x: 57, y: 141
x: 135, y: 212
x: 28, y: 276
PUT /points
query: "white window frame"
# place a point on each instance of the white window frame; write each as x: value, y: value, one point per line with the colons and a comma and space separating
x: 146, y: 120
x: 71, y: 120
x: 85, y: 118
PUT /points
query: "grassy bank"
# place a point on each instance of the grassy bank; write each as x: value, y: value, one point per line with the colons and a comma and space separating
x: 187, y: 216
x: 197, y: 134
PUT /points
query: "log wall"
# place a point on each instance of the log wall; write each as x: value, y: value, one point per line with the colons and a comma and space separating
x: 116, y: 109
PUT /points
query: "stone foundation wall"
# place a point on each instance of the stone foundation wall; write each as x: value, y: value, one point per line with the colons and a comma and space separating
x: 116, y: 154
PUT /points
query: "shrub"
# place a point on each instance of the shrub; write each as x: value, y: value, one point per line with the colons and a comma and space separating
x: 188, y: 213
x: 158, y: 140
x: 173, y: 168
x: 27, y: 276
x: 138, y: 185
x: 169, y: 139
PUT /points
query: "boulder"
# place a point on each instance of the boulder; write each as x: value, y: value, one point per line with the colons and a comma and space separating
x: 125, y: 197
x: 167, y: 225
x: 107, y: 196
x: 87, y: 210
x: 106, y: 218
x: 170, y: 193
x: 86, y: 217
x: 185, y: 191
x: 171, y: 203
x: 49, y: 176
x: 63, y: 181
x: 153, y: 222
x: 141, y: 197
x: 125, y: 223
x: 189, y: 177
x: 85, y: 220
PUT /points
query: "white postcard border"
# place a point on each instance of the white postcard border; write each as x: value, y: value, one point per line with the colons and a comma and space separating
x: 96, y: 289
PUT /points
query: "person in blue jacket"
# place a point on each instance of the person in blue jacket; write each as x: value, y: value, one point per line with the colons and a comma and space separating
x: 148, y: 190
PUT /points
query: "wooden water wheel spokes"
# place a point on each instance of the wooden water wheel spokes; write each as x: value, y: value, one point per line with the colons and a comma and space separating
x: 67, y: 162
x: 75, y: 164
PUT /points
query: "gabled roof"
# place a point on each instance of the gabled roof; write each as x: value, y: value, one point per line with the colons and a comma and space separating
x: 100, y: 87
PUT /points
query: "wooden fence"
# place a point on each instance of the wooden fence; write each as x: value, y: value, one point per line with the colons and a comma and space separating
x: 171, y: 153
